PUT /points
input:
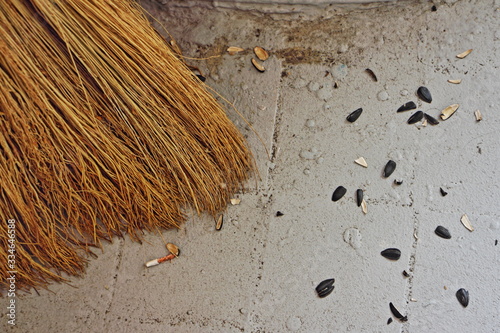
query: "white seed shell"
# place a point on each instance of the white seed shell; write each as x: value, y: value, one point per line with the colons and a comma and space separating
x: 455, y: 81
x: 448, y: 111
x: 466, y: 222
x: 364, y: 208
x: 258, y: 66
x: 361, y: 161
x: 464, y: 54
x: 235, y: 202
x: 232, y: 50
x: 261, y: 53
x: 478, y: 115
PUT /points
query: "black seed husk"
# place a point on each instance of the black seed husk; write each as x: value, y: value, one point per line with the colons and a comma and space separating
x: 430, y: 119
x: 496, y: 242
x: 278, y: 213
x: 359, y: 196
x: 443, y: 192
x: 416, y: 117
x: 405, y: 274
x: 407, y: 106
x: 389, y: 168
x: 398, y: 182
x: 463, y: 297
x: 372, y: 74
x: 396, y: 313
x: 325, y: 288
x: 389, y: 321
x: 424, y: 94
x: 354, y: 115
x: 442, y: 232
x: 338, y: 193
x: 391, y: 253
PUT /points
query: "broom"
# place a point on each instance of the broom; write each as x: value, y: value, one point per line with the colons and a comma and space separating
x: 103, y: 131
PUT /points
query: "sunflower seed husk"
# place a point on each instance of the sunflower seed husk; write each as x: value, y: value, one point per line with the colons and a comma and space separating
x: 235, y: 201
x: 398, y: 181
x: 232, y: 50
x: 220, y: 220
x: 431, y: 119
x: 442, y: 232
x: 336, y: 84
x: 407, y: 106
x: 325, y: 288
x: 354, y: 115
x: 172, y: 248
x: 391, y: 253
x: 424, y: 94
x: 359, y: 196
x: 389, y: 168
x: 258, y: 66
x: 466, y: 222
x: 278, y: 213
x: 201, y: 77
x: 364, y: 208
x: 405, y: 274
x: 464, y: 54
x: 416, y: 117
x: 449, y: 111
x: 455, y: 81
x: 389, y: 321
x: 396, y: 313
x: 443, y: 192
x: 261, y: 53
x: 478, y: 115
x: 372, y: 74
x: 463, y: 297
x: 338, y: 193
x: 361, y: 161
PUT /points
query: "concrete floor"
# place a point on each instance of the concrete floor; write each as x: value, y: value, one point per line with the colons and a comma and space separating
x: 259, y: 273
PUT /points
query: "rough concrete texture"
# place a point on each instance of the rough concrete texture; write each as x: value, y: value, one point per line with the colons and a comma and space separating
x: 259, y: 273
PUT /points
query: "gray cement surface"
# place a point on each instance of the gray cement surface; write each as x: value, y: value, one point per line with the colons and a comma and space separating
x: 259, y: 273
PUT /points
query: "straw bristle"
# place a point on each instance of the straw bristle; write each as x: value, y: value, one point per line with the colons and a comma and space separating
x: 103, y: 130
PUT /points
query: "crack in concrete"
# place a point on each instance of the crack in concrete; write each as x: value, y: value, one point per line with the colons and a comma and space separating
x: 115, y: 278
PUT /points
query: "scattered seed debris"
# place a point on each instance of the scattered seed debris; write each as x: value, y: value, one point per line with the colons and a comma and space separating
x: 443, y: 192
x: 405, y: 274
x: 218, y: 224
x: 391, y: 253
x: 449, y: 111
x: 464, y: 54
x: 278, y: 213
x: 463, y: 297
x: 431, y: 119
x: 466, y: 222
x: 232, y: 50
x: 424, y: 94
x: 354, y: 115
x: 442, y: 232
x: 235, y: 201
x: 335, y: 84
x: 364, y: 208
x: 396, y: 313
x: 359, y: 197
x: 361, y: 161
x: 416, y: 117
x: 389, y: 321
x: 261, y: 53
x: 325, y: 288
x: 455, y: 81
x: 478, y: 115
x: 372, y: 74
x: 338, y: 193
x: 172, y: 248
x: 389, y: 168
x: 407, y: 106
x: 398, y: 181
x: 258, y: 66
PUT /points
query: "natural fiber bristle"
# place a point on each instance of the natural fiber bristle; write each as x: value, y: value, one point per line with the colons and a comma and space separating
x: 103, y: 131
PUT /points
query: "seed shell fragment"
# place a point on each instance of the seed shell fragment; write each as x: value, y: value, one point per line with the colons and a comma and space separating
x: 359, y: 196
x: 261, y: 53
x: 235, y: 201
x: 466, y: 222
x: 478, y: 115
x: 407, y: 106
x: 372, y: 74
x: 443, y: 192
x: 416, y: 117
x: 431, y: 119
x: 396, y: 313
x: 278, y: 213
x: 389, y: 168
x: 220, y: 221
x: 325, y: 288
x: 258, y: 66
x: 354, y: 115
x: 455, y: 81
x: 391, y: 253
x: 338, y: 193
x: 364, y: 208
x: 424, y: 94
x: 172, y: 248
x: 389, y: 321
x: 398, y: 181
x: 449, y: 111
x: 442, y: 232
x: 361, y: 161
x: 405, y: 274
x: 463, y: 297
x: 464, y: 54
x: 232, y: 50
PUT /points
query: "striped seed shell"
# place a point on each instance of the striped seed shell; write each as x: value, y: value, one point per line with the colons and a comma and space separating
x: 396, y: 313
x: 407, y: 106
x: 172, y: 248
x: 431, y: 119
x: 424, y: 94
x: 354, y: 115
x: 449, y: 111
x: 389, y: 168
x: 338, y: 193
x: 261, y: 53
x: 416, y: 117
x: 220, y: 221
x: 463, y: 297
x: 359, y: 196
x: 258, y: 66
x: 442, y: 232
x: 464, y: 54
x: 391, y: 253
x: 325, y: 288
x: 466, y: 222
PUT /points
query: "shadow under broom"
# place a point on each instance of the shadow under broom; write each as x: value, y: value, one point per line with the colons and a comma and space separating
x: 103, y: 131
